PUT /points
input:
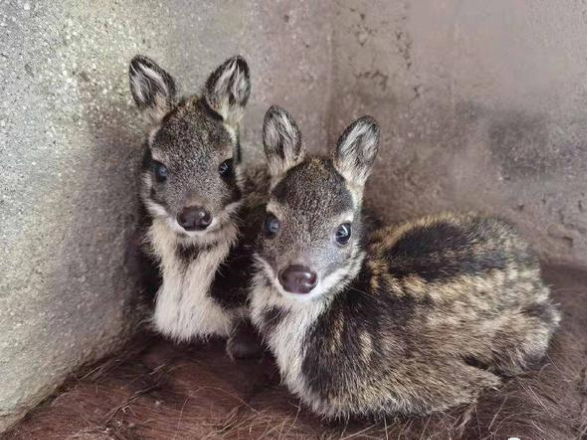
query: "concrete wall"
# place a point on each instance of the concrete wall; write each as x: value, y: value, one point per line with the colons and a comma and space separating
x: 70, y: 140
x: 482, y: 104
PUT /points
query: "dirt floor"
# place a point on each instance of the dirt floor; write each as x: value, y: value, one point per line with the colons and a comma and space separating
x: 156, y: 390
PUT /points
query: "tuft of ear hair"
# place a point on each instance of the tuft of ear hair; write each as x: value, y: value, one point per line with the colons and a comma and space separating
x: 357, y: 149
x: 281, y: 140
x: 153, y: 89
x: 228, y: 88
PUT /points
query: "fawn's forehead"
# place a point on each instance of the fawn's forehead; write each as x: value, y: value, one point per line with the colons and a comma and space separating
x: 191, y: 129
x: 313, y: 187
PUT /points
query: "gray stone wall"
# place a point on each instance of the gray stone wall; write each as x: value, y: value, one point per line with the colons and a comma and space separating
x: 482, y: 106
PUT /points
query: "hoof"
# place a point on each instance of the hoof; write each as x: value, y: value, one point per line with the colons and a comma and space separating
x: 244, y: 346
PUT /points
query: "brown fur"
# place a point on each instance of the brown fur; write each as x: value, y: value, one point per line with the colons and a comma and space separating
x: 492, y: 325
x: 157, y: 390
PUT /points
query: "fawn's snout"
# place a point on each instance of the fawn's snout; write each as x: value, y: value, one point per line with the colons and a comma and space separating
x: 298, y: 279
x: 311, y: 239
x: 193, y: 218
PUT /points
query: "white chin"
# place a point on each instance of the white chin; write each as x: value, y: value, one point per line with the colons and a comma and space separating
x: 175, y: 226
x: 298, y: 297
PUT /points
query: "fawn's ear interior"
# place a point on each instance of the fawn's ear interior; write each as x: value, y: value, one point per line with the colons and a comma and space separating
x: 281, y: 140
x: 228, y: 88
x: 153, y: 89
x: 357, y: 149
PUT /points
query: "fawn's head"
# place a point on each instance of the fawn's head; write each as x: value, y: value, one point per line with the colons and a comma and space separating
x: 190, y: 173
x: 310, y: 243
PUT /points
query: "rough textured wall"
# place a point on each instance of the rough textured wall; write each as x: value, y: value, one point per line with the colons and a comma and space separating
x: 70, y: 141
x: 482, y: 106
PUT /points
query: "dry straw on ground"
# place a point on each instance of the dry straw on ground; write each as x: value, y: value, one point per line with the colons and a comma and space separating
x: 155, y: 390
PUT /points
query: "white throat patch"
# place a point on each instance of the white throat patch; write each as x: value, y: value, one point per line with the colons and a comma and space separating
x: 184, y: 308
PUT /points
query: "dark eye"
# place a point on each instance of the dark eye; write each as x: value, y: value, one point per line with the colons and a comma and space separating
x: 160, y: 171
x: 343, y: 233
x: 271, y: 225
x: 226, y: 168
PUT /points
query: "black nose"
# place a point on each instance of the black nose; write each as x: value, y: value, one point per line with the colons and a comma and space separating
x: 297, y: 279
x: 194, y: 218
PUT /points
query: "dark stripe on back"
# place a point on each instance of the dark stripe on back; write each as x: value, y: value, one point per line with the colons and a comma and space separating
x: 443, y: 251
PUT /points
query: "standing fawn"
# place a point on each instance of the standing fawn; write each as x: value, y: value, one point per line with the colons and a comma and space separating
x: 414, y: 318
x: 192, y: 191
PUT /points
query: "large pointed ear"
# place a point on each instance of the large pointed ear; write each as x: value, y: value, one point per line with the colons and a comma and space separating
x: 281, y: 141
x: 153, y: 89
x: 357, y: 149
x: 227, y: 90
